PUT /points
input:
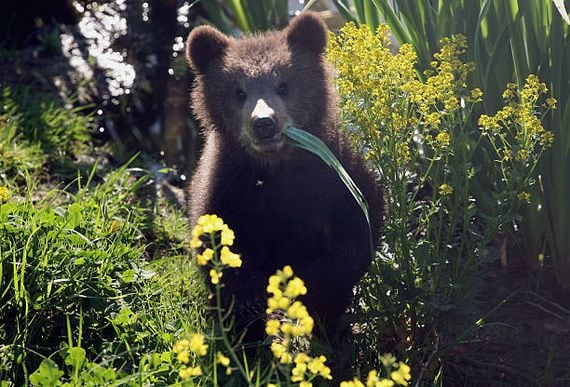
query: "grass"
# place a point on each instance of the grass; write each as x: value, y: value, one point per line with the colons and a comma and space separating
x: 94, y: 269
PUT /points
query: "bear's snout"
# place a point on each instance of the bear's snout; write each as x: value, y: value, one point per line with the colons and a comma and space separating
x: 264, y: 127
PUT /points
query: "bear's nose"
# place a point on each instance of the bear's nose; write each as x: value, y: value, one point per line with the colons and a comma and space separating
x: 264, y: 127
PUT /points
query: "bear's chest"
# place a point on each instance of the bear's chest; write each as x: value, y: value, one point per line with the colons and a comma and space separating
x: 287, y: 216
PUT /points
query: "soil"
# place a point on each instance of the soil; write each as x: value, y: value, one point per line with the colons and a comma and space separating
x: 524, y: 339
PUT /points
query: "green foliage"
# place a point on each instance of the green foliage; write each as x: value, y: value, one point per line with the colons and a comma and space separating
x: 80, y: 300
x: 246, y: 15
x: 508, y: 41
x: 419, y: 135
x: 34, y: 131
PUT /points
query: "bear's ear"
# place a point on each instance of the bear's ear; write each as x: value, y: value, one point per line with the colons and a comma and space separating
x: 203, y: 45
x: 308, y: 30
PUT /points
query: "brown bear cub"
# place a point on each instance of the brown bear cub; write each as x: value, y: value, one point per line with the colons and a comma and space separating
x: 286, y: 206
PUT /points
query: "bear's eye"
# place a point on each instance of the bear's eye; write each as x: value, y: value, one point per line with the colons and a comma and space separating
x: 282, y: 89
x: 240, y: 95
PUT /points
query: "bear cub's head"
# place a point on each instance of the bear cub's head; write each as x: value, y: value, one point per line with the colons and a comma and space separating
x: 250, y: 89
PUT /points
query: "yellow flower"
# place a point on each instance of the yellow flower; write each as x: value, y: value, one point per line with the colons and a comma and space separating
x: 547, y: 139
x: 304, y: 383
x: 272, y: 327
x: 295, y: 287
x: 432, y: 120
x: 524, y: 197
x: 402, y: 374
x: 298, y: 372
x: 188, y: 372
x: 222, y: 359
x: 205, y: 257
x: 181, y: 345
x: 229, y: 258
x: 5, y: 194
x: 317, y: 366
x: 197, y: 344
x: 302, y: 357
x: 183, y: 357
x: 551, y: 103
x: 115, y: 224
x: 288, y: 271
x: 211, y: 224
x: 352, y: 383
x: 278, y: 349
x: 442, y: 138
x: 476, y: 94
x: 445, y: 189
x: 405, y: 152
x: 215, y: 276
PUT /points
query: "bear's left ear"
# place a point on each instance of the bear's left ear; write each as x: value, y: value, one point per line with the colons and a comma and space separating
x: 308, y: 30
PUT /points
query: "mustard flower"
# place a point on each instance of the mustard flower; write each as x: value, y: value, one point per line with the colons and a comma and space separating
x: 402, y: 375
x: 298, y: 372
x: 5, y: 194
x: 476, y: 95
x: 288, y: 271
x: 181, y: 345
x: 317, y: 367
x: 352, y: 383
x: 183, y: 357
x: 278, y: 349
x: 272, y: 327
x: 547, y: 139
x: 228, y: 236
x: 197, y: 344
x: 295, y: 287
x: 189, y: 372
x: 524, y: 197
x: 374, y: 381
x: 445, y: 189
x: 229, y: 258
x: 551, y: 103
x: 443, y: 138
x: 210, y: 224
x: 432, y: 120
x: 206, y: 256
x: 222, y: 359
x: 215, y: 276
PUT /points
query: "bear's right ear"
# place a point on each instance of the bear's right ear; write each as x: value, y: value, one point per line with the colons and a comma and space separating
x: 203, y: 45
x: 308, y: 30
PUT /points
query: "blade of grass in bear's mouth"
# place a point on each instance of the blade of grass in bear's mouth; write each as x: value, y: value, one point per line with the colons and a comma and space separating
x: 305, y: 140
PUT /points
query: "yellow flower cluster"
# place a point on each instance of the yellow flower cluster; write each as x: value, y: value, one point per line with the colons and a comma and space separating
x: 5, y: 194
x: 390, y: 108
x: 210, y: 225
x: 183, y: 348
x: 284, y: 287
x: 516, y: 131
x: 224, y: 361
x: 400, y: 377
x: 214, y: 237
x: 445, y: 189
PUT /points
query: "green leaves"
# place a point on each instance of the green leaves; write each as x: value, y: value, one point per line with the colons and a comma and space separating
x: 246, y: 15
x: 48, y: 374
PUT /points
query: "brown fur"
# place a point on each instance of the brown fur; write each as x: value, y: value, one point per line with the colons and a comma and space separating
x: 284, y: 204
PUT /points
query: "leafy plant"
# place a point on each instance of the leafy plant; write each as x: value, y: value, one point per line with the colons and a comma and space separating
x: 536, y: 38
x: 419, y: 136
x: 246, y: 15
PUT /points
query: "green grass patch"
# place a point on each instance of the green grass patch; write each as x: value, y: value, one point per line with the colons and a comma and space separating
x: 95, y: 277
